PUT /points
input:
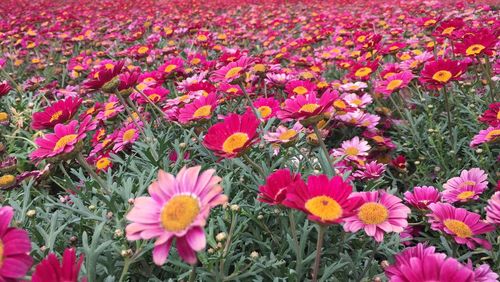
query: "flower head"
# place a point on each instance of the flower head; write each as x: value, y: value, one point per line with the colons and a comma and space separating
x: 422, y: 197
x: 378, y: 213
x: 493, y: 209
x: 438, y: 73
x: 178, y: 208
x: 303, y: 107
x: 468, y: 186
x: 59, y: 112
x: 201, y: 109
x: 50, y: 269
x: 277, y: 184
x: 462, y: 225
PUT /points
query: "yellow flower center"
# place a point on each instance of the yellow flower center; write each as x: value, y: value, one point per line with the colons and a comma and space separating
x: 373, y: 213
x: 394, y: 84
x: 389, y: 74
x: 170, y: 68
x: 233, y: 72
x: 265, y: 111
x: 109, y: 66
x: 202, y: 37
x: 287, y: 135
x: 4, y: 116
x: 56, y: 115
x: 7, y: 180
x: 234, y: 141
x: 493, y: 134
x: 498, y: 114
x: 309, y: 108
x: 143, y: 50
x: 179, y: 212
x: 429, y: 22
x: 154, y: 97
x: 474, y: 49
x: 378, y: 138
x: 300, y: 90
x: 61, y: 143
x: 195, y: 61
x: 232, y: 90
x: 259, y: 68
x: 103, y: 163
x: 448, y: 30
x: 1, y: 253
x: 128, y: 135
x: 352, y: 151
x: 203, y: 111
x: 465, y: 195
x: 324, y: 207
x: 442, y: 76
x: 458, y: 227
x: 339, y: 104
x: 364, y: 71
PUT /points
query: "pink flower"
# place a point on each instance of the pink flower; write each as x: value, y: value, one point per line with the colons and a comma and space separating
x: 354, y: 149
x: 15, y: 247
x: 488, y: 135
x: 394, y: 83
x: 461, y: 224
x: 469, y: 185
x: 300, y: 87
x: 177, y: 209
x: 274, y: 191
x: 267, y: 107
x: 371, y: 170
x: 126, y: 137
x: 306, y: 106
x: 231, y: 72
x: 59, y: 112
x: 201, y: 109
x: 50, y: 269
x: 493, y: 209
x: 380, y: 213
x: 422, y: 196
x: 421, y: 263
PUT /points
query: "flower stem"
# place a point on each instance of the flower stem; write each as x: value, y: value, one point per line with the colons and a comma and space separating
x: 319, y: 245
x: 448, y: 111
x: 298, y: 252
x: 322, y: 145
x: 227, y: 245
x: 81, y: 160
x: 254, y: 165
x: 370, y: 261
x: 192, y: 275
x: 126, y: 266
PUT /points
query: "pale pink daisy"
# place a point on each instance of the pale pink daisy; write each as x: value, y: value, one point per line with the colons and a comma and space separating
x: 353, y: 149
x: 357, y: 101
x: 488, y: 135
x: 468, y: 186
x: 380, y: 213
x: 177, y: 209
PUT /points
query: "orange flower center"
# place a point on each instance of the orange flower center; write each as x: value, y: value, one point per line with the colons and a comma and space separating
x: 448, y: 30
x: 324, y: 207
x: 170, y: 68
x: 7, y: 180
x: 352, y: 151
x: 459, y: 228
x: 465, y: 195
x: 61, y: 143
x: 235, y: 141
x: 109, y: 66
x: 195, y: 61
x: 202, y: 37
x: 203, y: 111
x: 154, y: 97
x: 233, y: 72
x: 474, y: 49
x: 128, y: 135
x: 309, y: 108
x: 179, y: 212
x: 373, y: 213
x: 1, y: 253
x: 300, y: 90
x: 265, y: 111
x: 364, y: 71
x: 103, y: 163
x: 493, y: 134
x: 394, y: 84
x: 378, y: 138
x: 56, y: 115
x: 143, y: 50
x: 287, y: 135
x: 442, y: 76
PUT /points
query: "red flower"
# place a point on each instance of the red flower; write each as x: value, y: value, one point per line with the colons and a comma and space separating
x: 307, y: 106
x: 363, y: 71
x: 438, y: 73
x: 300, y: 87
x: 276, y: 187
x: 324, y: 200
x: 59, y: 112
x: 492, y: 115
x: 102, y: 74
x: 476, y: 43
x: 449, y: 28
x: 232, y: 136
x: 399, y: 162
x: 50, y: 269
x: 4, y: 88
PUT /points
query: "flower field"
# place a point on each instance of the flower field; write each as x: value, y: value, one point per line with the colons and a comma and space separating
x: 249, y: 140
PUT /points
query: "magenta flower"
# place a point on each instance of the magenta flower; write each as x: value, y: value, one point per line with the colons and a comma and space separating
x: 50, y: 269
x: 493, y: 209
x: 469, y: 185
x: 177, y: 209
x: 15, y: 247
x: 380, y: 213
x: 462, y: 225
x: 421, y: 197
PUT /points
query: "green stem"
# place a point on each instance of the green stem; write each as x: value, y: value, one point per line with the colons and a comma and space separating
x: 448, y: 110
x: 126, y: 266
x: 298, y: 252
x: 487, y: 72
x: 227, y: 245
x: 370, y: 261
x: 126, y: 106
x: 255, y: 111
x: 192, y: 275
x: 254, y: 165
x: 324, y: 149
x: 319, y: 245
x: 81, y: 160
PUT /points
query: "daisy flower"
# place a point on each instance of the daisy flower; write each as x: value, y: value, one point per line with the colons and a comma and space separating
x: 267, y: 107
x: 110, y: 109
x: 232, y: 72
x: 489, y: 135
x: 493, y: 209
x: 201, y: 109
x: 233, y: 136
x: 15, y: 247
x: 468, y: 186
x: 300, y: 87
x: 370, y: 170
x: 379, y: 213
x: 103, y: 73
x: 357, y: 101
x: 462, y: 225
x: 483, y: 273
x: 283, y: 134
x: 353, y: 87
x: 126, y: 137
x: 394, y: 83
x: 4, y: 88
x: 59, y: 112
x: 306, y: 106
x: 66, y: 270
x: 421, y: 263
x: 172, y: 67
x: 477, y: 43
x: 324, y: 200
x: 422, y: 196
x: 63, y: 141
x: 362, y: 71
x: 155, y: 95
x: 274, y: 191
x: 354, y: 149
x: 491, y: 116
x: 177, y: 210
x: 438, y: 73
